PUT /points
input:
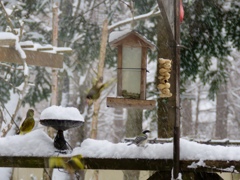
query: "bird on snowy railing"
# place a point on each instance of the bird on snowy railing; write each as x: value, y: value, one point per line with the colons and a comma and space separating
x: 140, y: 140
x: 28, y: 124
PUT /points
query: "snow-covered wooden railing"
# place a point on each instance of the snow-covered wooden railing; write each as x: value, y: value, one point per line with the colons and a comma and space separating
x: 222, y: 142
x: 34, y: 150
x: 36, y: 54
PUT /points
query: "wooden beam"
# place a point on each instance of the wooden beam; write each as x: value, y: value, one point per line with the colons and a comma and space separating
x: 162, y: 165
x: 35, y: 58
x: 7, y: 42
x: 130, y: 103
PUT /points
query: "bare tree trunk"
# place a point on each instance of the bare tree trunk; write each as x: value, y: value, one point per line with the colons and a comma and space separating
x: 97, y: 103
x: 47, y: 174
x: 165, y: 121
x: 197, y: 110
x: 222, y: 113
x: 100, y: 77
x: 118, y: 125
x: 134, y: 123
x: 166, y: 115
x: 186, y: 117
x: 133, y: 128
x: 54, y: 43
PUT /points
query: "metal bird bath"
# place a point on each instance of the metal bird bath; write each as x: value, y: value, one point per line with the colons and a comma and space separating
x: 61, y: 125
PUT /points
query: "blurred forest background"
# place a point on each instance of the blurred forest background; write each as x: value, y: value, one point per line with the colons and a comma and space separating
x: 210, y: 63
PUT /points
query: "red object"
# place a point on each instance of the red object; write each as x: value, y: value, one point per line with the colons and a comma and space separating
x: 181, y: 12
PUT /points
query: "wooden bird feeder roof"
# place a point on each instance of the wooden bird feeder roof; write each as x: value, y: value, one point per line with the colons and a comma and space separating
x: 131, y: 38
x: 36, y: 54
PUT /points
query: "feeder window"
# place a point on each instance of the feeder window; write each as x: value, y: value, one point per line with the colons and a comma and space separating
x: 131, y: 71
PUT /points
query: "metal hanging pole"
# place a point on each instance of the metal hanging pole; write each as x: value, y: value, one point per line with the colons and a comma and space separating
x: 176, y: 143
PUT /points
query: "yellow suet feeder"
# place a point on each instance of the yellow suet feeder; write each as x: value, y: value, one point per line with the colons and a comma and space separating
x: 165, y: 66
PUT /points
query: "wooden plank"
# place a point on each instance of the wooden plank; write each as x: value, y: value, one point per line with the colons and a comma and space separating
x: 130, y: 103
x: 45, y: 48
x: 162, y: 165
x: 33, y: 58
x: 7, y: 42
x: 24, y: 162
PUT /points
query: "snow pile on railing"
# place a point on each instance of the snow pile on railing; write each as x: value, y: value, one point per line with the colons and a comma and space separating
x: 38, y: 143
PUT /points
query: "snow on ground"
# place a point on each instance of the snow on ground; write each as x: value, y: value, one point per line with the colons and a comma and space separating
x: 61, y: 113
x: 6, y: 173
x: 37, y: 143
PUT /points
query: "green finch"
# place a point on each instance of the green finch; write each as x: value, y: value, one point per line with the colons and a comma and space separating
x: 95, y: 92
x: 71, y: 165
x: 28, y: 123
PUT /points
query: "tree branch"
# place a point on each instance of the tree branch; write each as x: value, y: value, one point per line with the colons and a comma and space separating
x: 8, y: 19
x: 155, y: 12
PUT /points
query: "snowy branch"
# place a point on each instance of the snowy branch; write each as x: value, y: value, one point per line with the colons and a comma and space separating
x: 8, y: 18
x: 155, y: 12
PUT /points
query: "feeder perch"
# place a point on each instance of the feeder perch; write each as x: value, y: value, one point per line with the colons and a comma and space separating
x: 132, y: 50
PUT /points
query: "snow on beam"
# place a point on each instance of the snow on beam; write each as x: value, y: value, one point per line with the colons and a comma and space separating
x: 222, y: 142
x: 7, y: 39
x: 26, y: 44
x: 33, y: 58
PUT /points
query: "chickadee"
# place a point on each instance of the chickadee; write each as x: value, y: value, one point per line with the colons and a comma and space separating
x: 140, y: 140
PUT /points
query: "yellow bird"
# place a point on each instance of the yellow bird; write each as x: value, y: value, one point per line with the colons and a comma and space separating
x: 96, y: 90
x: 28, y: 123
x: 70, y: 165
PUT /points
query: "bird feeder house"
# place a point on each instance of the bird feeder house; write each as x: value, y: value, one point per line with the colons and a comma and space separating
x: 132, y: 51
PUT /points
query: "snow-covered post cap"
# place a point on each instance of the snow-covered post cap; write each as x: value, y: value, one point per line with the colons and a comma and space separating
x: 61, y: 113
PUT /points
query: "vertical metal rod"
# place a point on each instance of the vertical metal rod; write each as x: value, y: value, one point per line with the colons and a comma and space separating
x: 176, y: 145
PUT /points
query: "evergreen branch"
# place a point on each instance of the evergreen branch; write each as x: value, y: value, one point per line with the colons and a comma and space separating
x: 10, y: 67
x: 8, y: 19
x: 10, y: 84
x: 9, y: 126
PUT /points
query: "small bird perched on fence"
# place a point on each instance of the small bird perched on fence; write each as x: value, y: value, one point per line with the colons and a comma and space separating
x: 141, y: 140
x: 28, y: 123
